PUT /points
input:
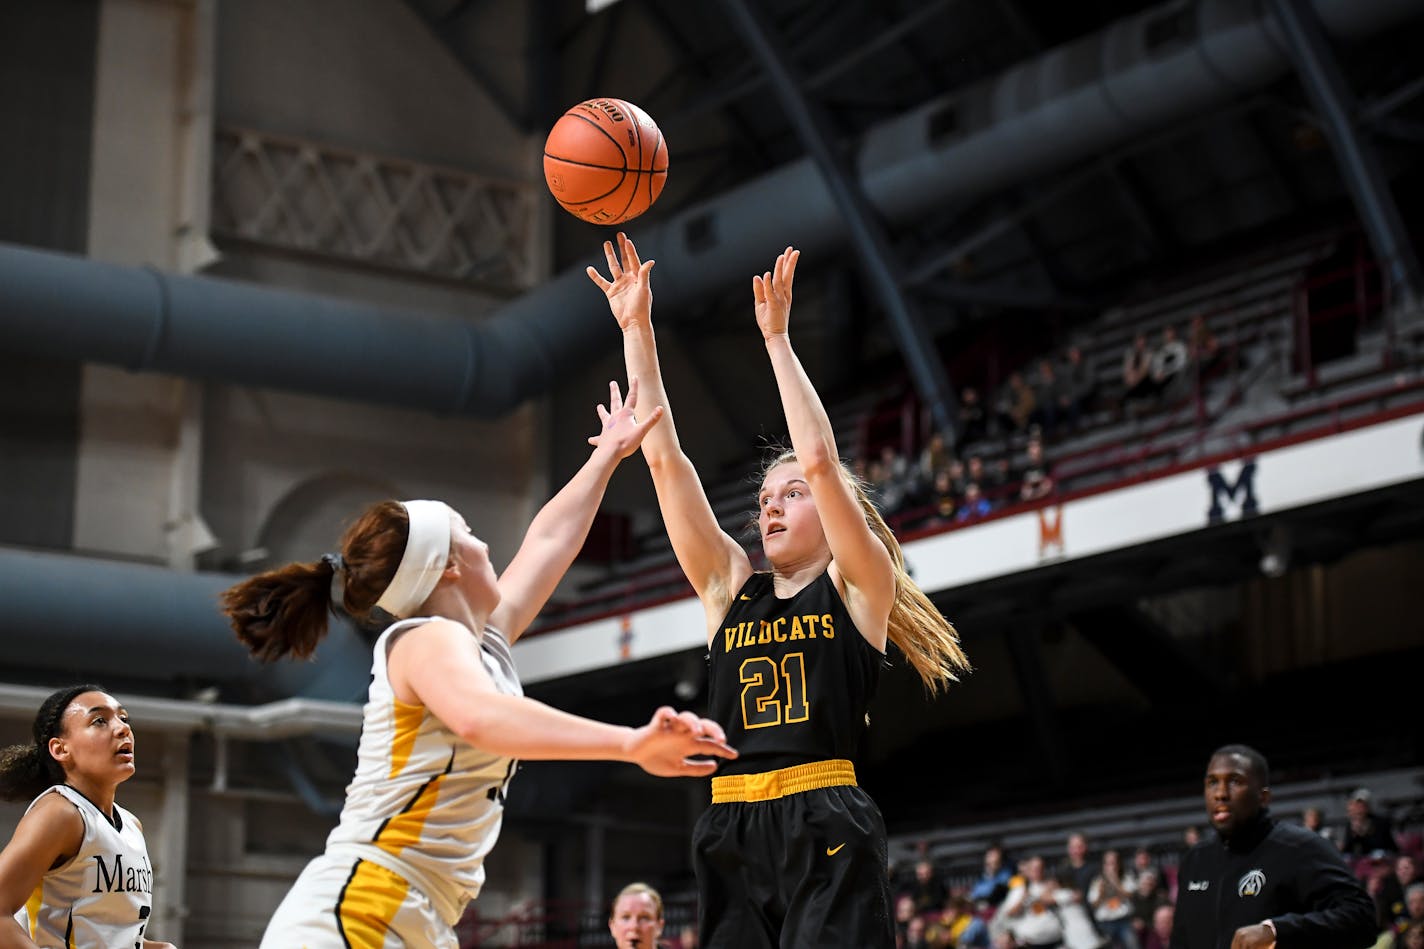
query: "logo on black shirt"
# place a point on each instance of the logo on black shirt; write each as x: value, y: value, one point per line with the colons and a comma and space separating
x: 1251, y: 884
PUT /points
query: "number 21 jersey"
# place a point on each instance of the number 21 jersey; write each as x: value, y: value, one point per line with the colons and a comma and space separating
x: 790, y: 678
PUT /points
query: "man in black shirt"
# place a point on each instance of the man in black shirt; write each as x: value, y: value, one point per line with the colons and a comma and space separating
x: 1262, y: 882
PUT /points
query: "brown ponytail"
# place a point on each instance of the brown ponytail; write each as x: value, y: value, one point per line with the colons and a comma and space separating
x: 27, y: 770
x: 917, y: 628
x: 283, y: 612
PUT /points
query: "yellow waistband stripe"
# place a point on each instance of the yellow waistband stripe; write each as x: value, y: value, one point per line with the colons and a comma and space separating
x: 770, y: 785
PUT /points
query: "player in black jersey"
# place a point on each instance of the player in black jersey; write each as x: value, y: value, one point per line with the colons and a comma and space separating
x: 792, y: 852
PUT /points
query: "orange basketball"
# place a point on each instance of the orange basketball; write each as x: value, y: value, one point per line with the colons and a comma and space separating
x: 605, y: 161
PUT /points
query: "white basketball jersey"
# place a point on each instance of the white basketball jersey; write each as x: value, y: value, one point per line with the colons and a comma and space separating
x: 100, y: 899
x: 423, y: 803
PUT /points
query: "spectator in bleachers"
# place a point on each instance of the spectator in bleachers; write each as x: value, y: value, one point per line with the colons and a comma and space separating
x: 1411, y: 938
x: 686, y: 938
x: 1142, y: 862
x: 1203, y: 347
x: 1137, y: 382
x: 1169, y: 363
x: 1413, y: 916
x: 952, y: 927
x: 1016, y: 405
x: 1049, y: 398
x: 1147, y: 897
x: 934, y: 458
x: 1314, y: 820
x: 973, y: 425
x: 993, y: 883
x: 1077, y: 871
x: 1191, y: 836
x: 914, y: 937
x: 1390, y: 898
x: 1080, y: 387
x: 974, y: 505
x: 927, y: 889
x: 975, y: 471
x: 943, y: 496
x: 1112, y: 903
x: 1367, y: 833
x: 1159, y: 934
x: 904, y: 912
x: 1030, y: 911
x: 894, y: 484
x: 1036, y: 482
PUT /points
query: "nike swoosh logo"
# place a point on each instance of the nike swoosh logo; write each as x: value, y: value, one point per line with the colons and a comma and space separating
x: 744, y: 597
x: 832, y: 851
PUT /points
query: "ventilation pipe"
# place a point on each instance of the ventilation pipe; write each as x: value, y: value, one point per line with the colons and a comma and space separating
x: 77, y: 617
x: 1139, y: 74
x: 1069, y: 103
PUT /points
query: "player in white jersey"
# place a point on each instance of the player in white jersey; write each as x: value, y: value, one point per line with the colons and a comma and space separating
x: 446, y: 718
x: 76, y: 872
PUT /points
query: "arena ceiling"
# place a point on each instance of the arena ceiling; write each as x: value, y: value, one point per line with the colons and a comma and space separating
x: 1250, y: 170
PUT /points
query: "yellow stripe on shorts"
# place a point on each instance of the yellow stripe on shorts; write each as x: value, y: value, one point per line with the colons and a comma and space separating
x: 368, y: 905
x: 32, y: 908
x: 770, y: 785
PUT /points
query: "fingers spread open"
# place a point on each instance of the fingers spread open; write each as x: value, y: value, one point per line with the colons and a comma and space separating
x: 613, y: 267
x: 597, y: 278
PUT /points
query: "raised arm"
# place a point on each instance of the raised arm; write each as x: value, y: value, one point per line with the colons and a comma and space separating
x: 714, y: 563
x: 558, y: 531
x: 858, y: 555
x: 438, y: 665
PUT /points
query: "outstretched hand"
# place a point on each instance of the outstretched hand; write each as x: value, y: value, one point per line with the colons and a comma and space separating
x: 629, y: 291
x: 772, y: 292
x: 622, y: 433
x: 665, y: 746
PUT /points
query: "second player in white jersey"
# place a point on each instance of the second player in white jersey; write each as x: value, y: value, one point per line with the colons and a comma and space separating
x: 445, y: 718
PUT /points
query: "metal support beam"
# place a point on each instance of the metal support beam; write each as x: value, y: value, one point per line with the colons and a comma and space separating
x: 1026, y: 653
x: 868, y: 232
x: 1325, y: 86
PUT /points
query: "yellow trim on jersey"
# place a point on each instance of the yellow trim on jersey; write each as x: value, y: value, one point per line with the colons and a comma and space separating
x: 404, y: 829
x: 32, y: 909
x: 406, y: 720
x: 770, y: 785
x: 369, y: 903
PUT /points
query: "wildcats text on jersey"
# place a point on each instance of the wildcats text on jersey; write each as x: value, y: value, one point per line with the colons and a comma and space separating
x: 783, y: 629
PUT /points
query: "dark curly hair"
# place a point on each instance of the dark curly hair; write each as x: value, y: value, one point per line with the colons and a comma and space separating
x: 26, y: 770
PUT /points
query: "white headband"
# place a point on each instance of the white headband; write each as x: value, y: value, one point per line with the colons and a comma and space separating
x: 427, y: 549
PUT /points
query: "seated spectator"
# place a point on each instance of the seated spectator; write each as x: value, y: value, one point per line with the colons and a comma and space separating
x: 973, y: 425
x: 1203, y: 347
x: 927, y: 889
x: 1016, y: 404
x: 973, y: 506
x: 1390, y: 898
x: 1147, y: 897
x: 1049, y: 398
x: 1159, y: 935
x: 934, y: 458
x: 1137, y: 381
x: 1413, y: 917
x: 1037, y: 482
x: 1142, y: 862
x: 1169, y: 363
x: 1191, y: 836
x: 914, y: 934
x: 943, y: 496
x: 1111, y: 902
x: 1367, y: 834
x: 1031, y: 909
x: 904, y: 912
x: 993, y: 883
x: 1080, y: 388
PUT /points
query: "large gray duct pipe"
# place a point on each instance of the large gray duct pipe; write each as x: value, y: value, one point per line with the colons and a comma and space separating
x: 1139, y: 74
x: 80, y: 618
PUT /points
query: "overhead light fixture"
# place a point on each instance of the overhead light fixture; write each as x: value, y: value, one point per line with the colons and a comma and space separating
x: 593, y: 6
